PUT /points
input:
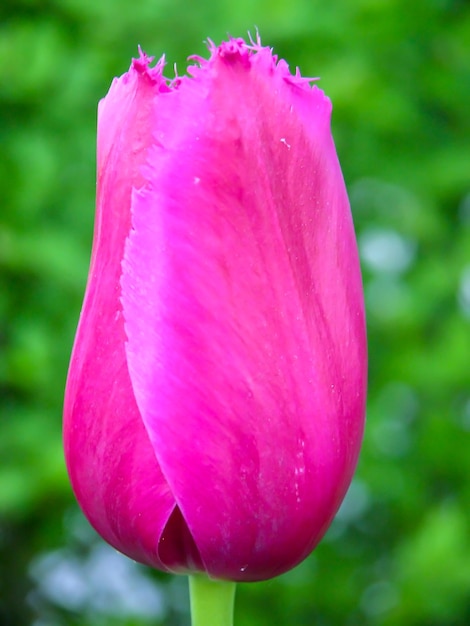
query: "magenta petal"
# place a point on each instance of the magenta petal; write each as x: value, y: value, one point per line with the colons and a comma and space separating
x: 243, y: 309
x: 110, y: 459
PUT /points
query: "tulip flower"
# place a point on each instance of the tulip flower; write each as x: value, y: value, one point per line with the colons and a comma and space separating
x: 215, y: 399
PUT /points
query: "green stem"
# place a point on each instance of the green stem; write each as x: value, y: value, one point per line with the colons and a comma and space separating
x: 211, y: 601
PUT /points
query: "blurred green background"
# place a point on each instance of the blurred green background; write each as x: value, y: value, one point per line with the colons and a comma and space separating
x: 398, y: 73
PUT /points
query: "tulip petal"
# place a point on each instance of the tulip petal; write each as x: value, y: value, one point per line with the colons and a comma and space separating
x: 244, y: 317
x: 110, y: 459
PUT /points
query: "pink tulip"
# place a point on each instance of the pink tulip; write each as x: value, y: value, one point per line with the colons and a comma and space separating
x: 215, y: 399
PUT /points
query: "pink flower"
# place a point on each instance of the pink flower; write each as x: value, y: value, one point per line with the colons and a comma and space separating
x: 215, y: 399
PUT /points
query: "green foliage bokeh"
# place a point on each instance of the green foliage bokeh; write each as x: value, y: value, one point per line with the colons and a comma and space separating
x: 398, y: 73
